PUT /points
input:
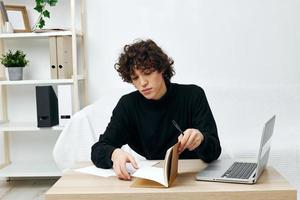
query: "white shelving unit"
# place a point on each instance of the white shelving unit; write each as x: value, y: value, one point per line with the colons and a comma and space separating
x: 37, y: 168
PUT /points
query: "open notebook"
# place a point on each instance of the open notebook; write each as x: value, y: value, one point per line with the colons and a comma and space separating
x: 155, y: 176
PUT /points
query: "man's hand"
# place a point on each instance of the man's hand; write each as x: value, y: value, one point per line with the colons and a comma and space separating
x: 120, y: 158
x: 191, y: 139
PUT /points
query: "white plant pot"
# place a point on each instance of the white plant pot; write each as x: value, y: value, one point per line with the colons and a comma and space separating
x: 15, y: 73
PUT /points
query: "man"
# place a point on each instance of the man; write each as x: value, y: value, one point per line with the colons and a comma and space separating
x: 143, y: 119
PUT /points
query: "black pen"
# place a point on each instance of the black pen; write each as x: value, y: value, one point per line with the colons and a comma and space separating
x: 177, y: 127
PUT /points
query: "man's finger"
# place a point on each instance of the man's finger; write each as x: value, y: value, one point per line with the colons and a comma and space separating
x: 118, y: 172
x: 124, y: 171
x: 180, y: 137
x: 193, y: 146
x: 184, y: 141
x: 180, y: 143
x: 189, y: 143
x: 192, y: 140
x: 133, y: 162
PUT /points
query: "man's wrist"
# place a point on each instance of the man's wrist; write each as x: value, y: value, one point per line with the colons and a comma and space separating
x: 201, y: 136
x: 114, y: 154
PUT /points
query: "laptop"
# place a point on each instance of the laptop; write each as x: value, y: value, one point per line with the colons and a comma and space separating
x: 233, y: 171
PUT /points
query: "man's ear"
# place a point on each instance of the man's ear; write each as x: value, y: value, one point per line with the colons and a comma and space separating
x: 163, y: 73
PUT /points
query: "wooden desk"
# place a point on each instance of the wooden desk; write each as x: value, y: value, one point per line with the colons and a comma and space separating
x: 74, y: 185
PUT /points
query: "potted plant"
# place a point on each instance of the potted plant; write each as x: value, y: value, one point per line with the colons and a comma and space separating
x: 15, y: 62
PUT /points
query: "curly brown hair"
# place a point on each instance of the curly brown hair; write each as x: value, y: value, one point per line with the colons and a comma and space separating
x: 144, y: 55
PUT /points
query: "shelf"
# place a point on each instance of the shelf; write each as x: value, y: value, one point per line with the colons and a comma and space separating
x: 30, y: 169
x: 41, y: 82
x: 20, y: 138
x: 26, y: 126
x: 37, y: 35
x: 37, y: 82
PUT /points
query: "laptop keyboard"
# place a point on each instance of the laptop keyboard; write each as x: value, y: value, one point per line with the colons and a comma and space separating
x: 240, y: 170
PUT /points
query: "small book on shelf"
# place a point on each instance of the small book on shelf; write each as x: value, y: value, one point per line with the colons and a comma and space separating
x: 157, y: 177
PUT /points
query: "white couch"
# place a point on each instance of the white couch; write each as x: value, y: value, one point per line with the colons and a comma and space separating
x: 240, y: 113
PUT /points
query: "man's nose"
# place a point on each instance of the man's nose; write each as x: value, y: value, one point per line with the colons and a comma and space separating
x: 143, y: 81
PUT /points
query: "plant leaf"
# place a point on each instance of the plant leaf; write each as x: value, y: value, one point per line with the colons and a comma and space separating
x: 39, y: 1
x: 46, y: 13
x: 41, y: 23
x: 38, y: 8
x: 52, y: 2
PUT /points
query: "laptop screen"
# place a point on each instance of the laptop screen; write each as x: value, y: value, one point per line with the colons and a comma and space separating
x: 265, y: 146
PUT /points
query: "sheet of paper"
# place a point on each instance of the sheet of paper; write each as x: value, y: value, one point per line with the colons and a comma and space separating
x: 151, y: 173
x: 141, y: 164
x: 93, y: 170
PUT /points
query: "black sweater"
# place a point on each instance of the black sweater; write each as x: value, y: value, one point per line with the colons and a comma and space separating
x: 146, y: 125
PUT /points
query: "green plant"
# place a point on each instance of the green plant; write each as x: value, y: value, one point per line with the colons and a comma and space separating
x: 40, y: 7
x: 16, y: 59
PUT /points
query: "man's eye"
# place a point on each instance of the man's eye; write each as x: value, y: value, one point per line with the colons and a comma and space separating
x: 134, y: 78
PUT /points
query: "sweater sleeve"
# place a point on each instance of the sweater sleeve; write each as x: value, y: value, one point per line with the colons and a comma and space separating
x: 113, y: 137
x: 203, y: 120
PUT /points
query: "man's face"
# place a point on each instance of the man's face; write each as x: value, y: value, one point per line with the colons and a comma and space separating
x: 149, y: 82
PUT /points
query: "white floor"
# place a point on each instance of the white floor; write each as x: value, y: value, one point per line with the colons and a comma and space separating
x: 24, y: 189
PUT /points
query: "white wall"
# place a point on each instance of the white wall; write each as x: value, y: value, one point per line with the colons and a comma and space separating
x: 249, y: 42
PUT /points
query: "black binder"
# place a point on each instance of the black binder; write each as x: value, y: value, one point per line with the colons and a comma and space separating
x: 46, y: 106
